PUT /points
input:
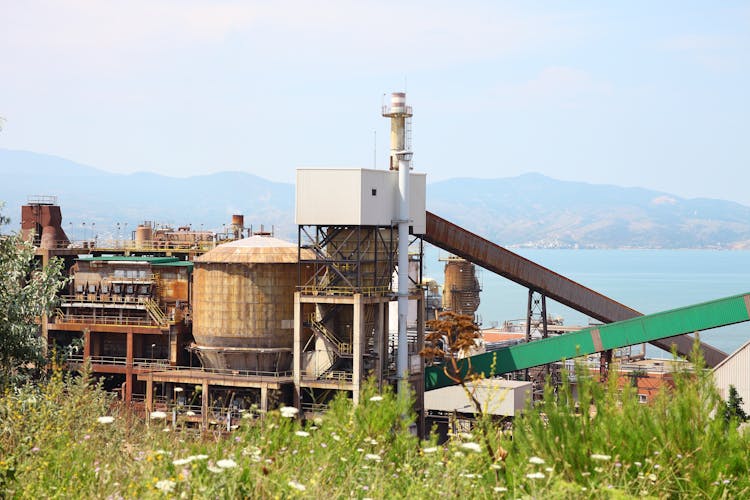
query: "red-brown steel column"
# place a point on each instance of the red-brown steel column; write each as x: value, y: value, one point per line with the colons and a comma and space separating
x: 129, y: 367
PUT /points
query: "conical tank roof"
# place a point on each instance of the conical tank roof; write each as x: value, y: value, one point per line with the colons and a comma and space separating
x: 255, y: 250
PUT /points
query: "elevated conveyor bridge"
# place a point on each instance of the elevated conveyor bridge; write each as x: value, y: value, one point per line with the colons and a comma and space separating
x: 494, y: 258
x: 704, y: 316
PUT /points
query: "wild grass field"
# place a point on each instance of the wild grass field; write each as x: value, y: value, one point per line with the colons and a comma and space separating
x: 66, y: 438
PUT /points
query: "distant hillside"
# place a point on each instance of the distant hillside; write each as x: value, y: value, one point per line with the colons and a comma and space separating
x: 90, y: 195
x: 529, y: 210
x: 534, y: 210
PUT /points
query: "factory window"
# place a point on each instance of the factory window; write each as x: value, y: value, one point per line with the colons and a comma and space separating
x: 374, y: 192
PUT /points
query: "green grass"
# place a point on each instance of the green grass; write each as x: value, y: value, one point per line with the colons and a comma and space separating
x: 52, y: 445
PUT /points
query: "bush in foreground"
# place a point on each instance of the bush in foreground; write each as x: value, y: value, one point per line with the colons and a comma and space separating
x: 64, y: 439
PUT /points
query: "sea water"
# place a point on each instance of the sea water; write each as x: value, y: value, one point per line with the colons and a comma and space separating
x: 649, y: 281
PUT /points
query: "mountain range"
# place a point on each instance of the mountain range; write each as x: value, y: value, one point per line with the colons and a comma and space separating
x: 528, y: 210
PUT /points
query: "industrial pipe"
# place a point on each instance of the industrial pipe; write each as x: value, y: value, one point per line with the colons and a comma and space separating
x: 402, y: 361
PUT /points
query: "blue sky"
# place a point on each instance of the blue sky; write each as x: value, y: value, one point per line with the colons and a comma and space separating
x: 633, y: 93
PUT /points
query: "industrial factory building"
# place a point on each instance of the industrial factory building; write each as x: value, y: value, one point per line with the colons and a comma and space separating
x: 214, y: 323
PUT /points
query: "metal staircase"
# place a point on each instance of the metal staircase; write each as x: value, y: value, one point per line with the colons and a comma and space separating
x: 342, y: 349
x: 155, y: 313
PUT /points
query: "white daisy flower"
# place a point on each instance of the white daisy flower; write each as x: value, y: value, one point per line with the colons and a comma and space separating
x: 165, y: 485
x: 471, y: 446
x: 288, y: 411
x: 297, y: 486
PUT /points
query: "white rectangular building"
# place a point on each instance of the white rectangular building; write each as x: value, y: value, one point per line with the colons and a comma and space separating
x: 357, y: 197
x: 735, y: 370
x: 497, y: 396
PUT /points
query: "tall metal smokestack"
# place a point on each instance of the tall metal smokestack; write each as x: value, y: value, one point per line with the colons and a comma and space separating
x: 400, y: 160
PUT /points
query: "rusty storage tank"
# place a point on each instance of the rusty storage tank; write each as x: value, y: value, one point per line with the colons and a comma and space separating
x: 143, y: 235
x: 238, y: 225
x: 243, y: 304
x: 461, y: 288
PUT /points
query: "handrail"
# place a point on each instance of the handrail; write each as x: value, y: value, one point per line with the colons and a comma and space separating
x: 159, y: 245
x: 345, y: 290
x: 314, y: 407
x: 232, y: 373
x: 103, y: 320
x: 339, y: 375
x: 41, y: 199
x: 156, y: 313
x: 130, y: 245
x: 120, y: 361
x: 163, y: 365
x: 341, y: 347
x: 106, y: 299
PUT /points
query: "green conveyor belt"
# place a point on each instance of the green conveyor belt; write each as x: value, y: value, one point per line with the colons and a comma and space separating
x: 704, y: 316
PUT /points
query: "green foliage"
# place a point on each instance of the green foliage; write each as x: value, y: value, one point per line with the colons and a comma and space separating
x: 607, y: 443
x: 52, y: 444
x: 26, y: 293
x: 733, y: 407
x: 55, y: 447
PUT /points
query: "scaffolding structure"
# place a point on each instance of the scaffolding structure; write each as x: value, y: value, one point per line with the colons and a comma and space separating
x: 342, y: 313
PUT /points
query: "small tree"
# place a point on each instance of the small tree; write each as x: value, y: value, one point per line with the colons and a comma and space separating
x: 733, y: 406
x: 27, y: 292
x: 452, y: 337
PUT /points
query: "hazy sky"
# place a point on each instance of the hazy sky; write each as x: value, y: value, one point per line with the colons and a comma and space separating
x: 635, y: 93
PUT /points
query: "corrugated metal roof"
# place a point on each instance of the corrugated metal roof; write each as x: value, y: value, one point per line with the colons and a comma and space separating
x: 131, y: 258
x: 742, y: 349
x: 255, y: 250
x: 181, y: 263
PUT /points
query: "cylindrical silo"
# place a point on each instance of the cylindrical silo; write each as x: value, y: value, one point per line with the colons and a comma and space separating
x: 243, y: 304
x: 238, y: 225
x: 461, y: 288
x: 142, y: 235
